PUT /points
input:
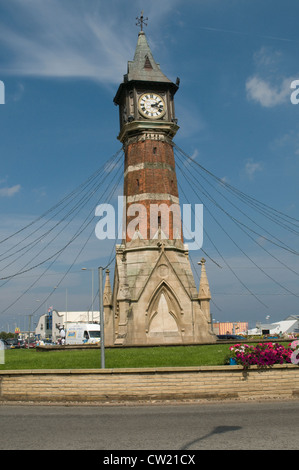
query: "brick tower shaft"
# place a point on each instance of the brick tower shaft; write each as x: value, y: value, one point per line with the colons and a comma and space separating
x: 150, y: 188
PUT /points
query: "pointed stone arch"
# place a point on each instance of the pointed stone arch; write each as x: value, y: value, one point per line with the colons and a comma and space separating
x: 164, y: 312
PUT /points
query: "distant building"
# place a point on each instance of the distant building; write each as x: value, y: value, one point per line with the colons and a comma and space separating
x: 50, y: 324
x: 231, y: 328
x: 289, y: 325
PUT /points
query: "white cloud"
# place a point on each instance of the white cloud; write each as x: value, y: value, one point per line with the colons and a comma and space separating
x: 251, y: 168
x: 267, y: 86
x: 289, y: 143
x: 62, y: 41
x: 71, y: 39
x: 267, y: 58
x: 225, y: 179
x: 18, y: 92
x: 9, y: 192
x: 192, y: 157
x: 266, y: 94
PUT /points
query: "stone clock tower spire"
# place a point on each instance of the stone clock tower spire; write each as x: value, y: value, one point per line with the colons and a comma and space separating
x: 154, y: 299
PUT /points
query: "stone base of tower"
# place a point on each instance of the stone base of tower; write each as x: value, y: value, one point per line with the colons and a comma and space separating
x: 154, y: 299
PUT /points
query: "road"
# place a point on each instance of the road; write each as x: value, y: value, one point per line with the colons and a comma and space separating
x: 194, y: 426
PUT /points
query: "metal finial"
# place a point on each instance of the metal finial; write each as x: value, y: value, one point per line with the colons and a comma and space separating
x: 141, y: 21
x: 202, y: 261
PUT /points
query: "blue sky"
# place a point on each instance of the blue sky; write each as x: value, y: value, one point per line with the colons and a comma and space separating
x: 61, y: 63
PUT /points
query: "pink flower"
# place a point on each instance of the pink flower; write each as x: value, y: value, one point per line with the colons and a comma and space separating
x: 263, y: 354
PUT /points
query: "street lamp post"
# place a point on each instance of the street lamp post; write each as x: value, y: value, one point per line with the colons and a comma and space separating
x: 100, y: 269
x: 29, y: 328
x: 92, y: 270
x: 29, y: 323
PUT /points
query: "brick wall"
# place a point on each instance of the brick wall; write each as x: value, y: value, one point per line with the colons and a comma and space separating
x: 110, y: 385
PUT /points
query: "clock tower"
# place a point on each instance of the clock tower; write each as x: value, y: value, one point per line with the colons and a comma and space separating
x: 154, y: 298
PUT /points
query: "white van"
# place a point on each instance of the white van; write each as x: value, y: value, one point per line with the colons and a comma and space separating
x: 82, y: 333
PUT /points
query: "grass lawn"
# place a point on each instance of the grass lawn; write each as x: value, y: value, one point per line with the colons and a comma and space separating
x: 170, y: 356
x: 116, y: 358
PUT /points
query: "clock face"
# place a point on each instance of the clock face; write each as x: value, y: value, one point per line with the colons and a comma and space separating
x: 151, y: 106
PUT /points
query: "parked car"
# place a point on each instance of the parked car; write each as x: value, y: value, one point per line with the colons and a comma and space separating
x: 31, y: 343
x: 15, y: 343
x: 5, y: 343
x: 223, y: 337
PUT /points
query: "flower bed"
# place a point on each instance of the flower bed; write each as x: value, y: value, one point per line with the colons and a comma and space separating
x: 262, y: 355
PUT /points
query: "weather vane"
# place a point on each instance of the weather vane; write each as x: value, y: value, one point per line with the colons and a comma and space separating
x: 141, y: 21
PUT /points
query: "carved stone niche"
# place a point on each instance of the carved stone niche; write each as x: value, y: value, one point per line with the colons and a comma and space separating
x: 164, y: 312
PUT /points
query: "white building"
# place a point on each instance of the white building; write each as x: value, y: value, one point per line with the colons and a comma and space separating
x: 50, y: 324
x: 287, y: 326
